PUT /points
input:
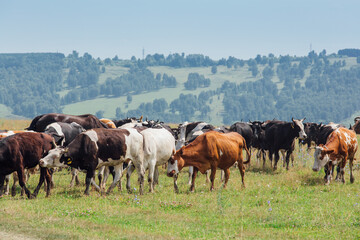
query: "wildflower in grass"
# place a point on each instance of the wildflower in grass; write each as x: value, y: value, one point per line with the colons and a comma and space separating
x: 270, y: 209
x: 355, y: 204
x: 268, y: 202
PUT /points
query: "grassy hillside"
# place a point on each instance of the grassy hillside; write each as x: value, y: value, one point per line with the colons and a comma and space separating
x: 238, y: 75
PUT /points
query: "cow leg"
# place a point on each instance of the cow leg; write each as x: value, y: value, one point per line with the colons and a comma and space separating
x: 342, y: 169
x: 176, y: 189
x: 129, y: 171
x: 74, y: 175
x: 106, y: 176
x: 292, y: 159
x: 141, y: 174
x: 212, y: 177
x: 287, y: 159
x: 328, y: 174
x: 227, y: 175
x: 263, y: 153
x: 15, y: 180
x: 118, y: 169
x: 101, y: 176
x: 156, y: 176
x: 89, y: 178
x: 7, y: 184
x: 21, y: 176
x: 351, y: 162
x: 207, y: 176
x: 2, y: 179
x: 191, y: 171
x: 48, y: 178
x: 242, y: 171
x: 43, y: 172
x: 192, y: 187
x: 270, y: 158
x: 276, y: 159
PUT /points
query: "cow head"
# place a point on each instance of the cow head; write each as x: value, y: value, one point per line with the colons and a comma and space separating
x: 173, y: 163
x: 321, y: 157
x: 299, y: 127
x: 53, y: 158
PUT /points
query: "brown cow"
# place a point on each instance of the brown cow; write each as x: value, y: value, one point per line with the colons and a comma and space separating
x: 87, y: 121
x: 340, y: 146
x: 24, y: 150
x: 210, y: 150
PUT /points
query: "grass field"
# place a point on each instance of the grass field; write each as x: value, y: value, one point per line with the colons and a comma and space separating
x: 283, y: 204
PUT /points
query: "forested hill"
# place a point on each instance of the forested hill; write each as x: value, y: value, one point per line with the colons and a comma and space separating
x: 181, y: 87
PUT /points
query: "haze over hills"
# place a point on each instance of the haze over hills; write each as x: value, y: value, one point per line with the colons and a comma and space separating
x: 321, y: 87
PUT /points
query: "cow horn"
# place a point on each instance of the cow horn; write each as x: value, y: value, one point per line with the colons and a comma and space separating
x: 292, y: 119
x: 53, y: 142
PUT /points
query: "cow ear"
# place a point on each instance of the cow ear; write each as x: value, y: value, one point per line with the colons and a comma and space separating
x: 292, y: 125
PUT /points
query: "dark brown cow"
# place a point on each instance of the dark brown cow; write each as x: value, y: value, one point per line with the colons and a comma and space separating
x: 356, y: 127
x: 21, y: 151
x: 211, y: 150
x: 87, y: 121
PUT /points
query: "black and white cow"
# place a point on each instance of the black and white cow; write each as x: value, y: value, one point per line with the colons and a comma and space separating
x: 99, y: 147
x: 64, y: 133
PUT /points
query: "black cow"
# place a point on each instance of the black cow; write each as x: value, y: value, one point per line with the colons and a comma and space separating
x: 87, y: 121
x: 21, y: 151
x: 312, y: 131
x: 245, y: 130
x: 281, y: 136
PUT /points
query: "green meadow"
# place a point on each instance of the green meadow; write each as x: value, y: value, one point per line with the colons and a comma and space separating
x: 280, y: 204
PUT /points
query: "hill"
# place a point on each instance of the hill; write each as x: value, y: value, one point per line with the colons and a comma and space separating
x: 178, y: 87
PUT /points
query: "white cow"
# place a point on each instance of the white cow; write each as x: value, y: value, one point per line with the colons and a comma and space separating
x: 159, y: 146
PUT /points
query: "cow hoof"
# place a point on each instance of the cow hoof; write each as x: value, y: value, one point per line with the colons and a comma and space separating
x: 352, y: 180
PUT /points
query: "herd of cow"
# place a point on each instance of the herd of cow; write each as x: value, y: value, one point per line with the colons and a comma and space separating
x: 86, y: 143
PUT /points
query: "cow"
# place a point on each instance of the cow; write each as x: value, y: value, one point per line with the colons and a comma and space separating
x: 356, y: 127
x: 340, y: 146
x: 109, y: 123
x: 210, y: 150
x: 188, y: 132
x: 311, y: 129
x: 159, y: 146
x: 245, y: 130
x: 63, y: 134
x: 281, y: 135
x: 119, y: 123
x: 87, y: 121
x: 21, y: 151
x: 99, y: 147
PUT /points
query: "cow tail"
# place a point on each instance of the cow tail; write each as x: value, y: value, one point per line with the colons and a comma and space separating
x: 247, y: 152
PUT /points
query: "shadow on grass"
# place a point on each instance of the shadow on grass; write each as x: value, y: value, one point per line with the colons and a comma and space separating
x: 311, y: 180
x: 266, y: 170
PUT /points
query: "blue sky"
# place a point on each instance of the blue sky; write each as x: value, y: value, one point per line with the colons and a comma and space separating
x: 217, y: 29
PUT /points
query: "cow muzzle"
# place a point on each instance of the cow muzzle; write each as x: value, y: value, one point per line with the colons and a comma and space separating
x: 171, y: 174
x: 42, y: 163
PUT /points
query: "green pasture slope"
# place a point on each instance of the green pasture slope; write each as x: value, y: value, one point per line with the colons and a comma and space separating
x: 238, y: 75
x: 283, y: 204
x: 108, y: 105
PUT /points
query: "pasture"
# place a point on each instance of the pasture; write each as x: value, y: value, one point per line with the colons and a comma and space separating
x: 283, y: 204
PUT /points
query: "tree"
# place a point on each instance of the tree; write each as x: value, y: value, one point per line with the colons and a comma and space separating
x: 214, y: 69
x: 99, y: 114
x: 129, y: 98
